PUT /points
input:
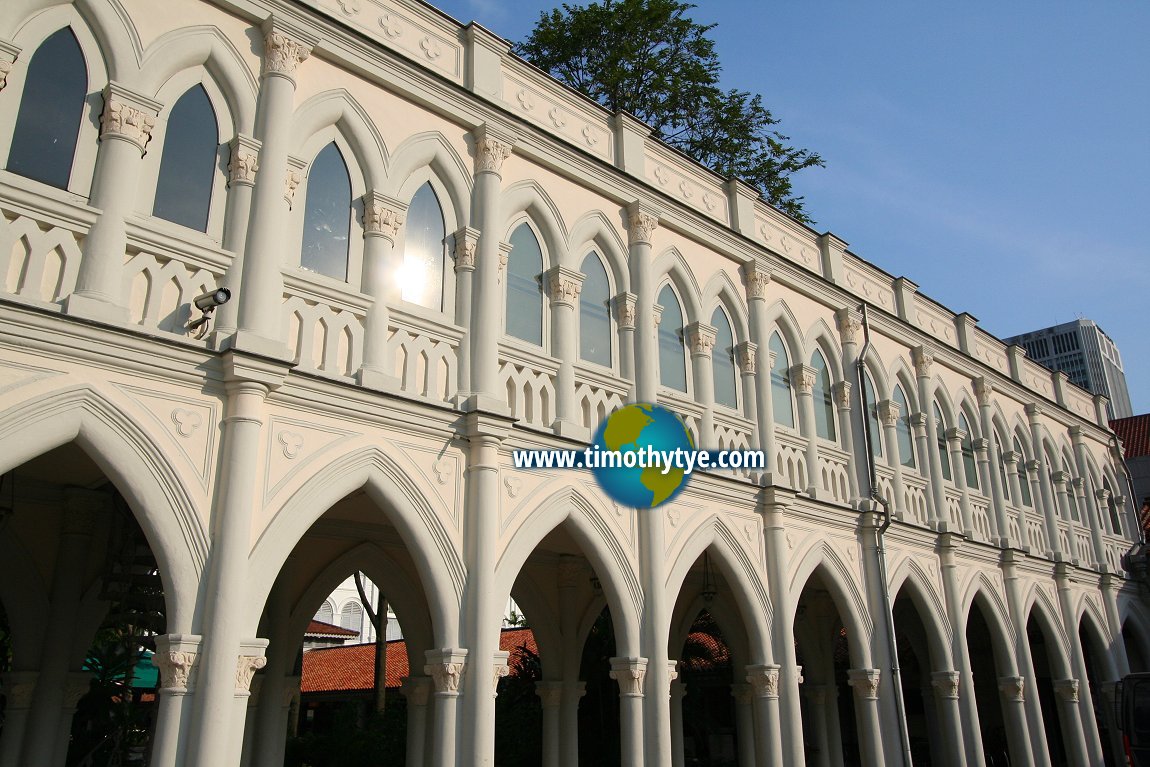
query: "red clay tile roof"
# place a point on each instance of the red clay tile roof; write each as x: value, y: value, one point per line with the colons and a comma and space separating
x: 1134, y: 433
x: 352, y: 668
x: 319, y: 628
x: 703, y: 652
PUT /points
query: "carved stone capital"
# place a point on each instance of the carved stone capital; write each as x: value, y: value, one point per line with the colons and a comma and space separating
x: 1032, y: 466
x: 945, y: 684
x: 700, y: 339
x: 923, y: 359
x: 631, y: 674
x: 445, y: 667
x: 865, y: 682
x: 983, y: 389
x: 8, y: 55
x: 550, y: 693
x: 849, y: 324
x: 1067, y: 689
x: 889, y: 412
x: 981, y: 446
x: 293, y: 178
x: 504, y: 255
x: 803, y: 378
x: 176, y: 668
x: 128, y: 116
x: 1103, y: 496
x: 1011, y: 457
x: 641, y: 224
x: 757, y: 279
x: 819, y: 694
x: 466, y: 241
x: 1013, y: 688
x: 842, y: 394
x: 283, y: 53
x: 499, y: 669
x: 747, y: 354
x: 18, y: 688
x: 563, y: 285
x: 1078, y: 484
x: 625, y: 304
x: 955, y: 436
x: 246, y: 667
x: 382, y: 215
x: 764, y: 680
x: 417, y: 690
x: 491, y: 149
x: 1060, y: 478
x: 244, y: 161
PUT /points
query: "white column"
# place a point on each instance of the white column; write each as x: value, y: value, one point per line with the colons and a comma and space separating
x: 1013, y: 689
x: 382, y: 219
x: 803, y: 382
x: 865, y: 682
x: 987, y: 473
x: 1060, y: 481
x: 175, y: 657
x: 1049, y: 509
x: 923, y: 359
x: 630, y: 673
x: 888, y: 415
x: 1078, y: 698
x: 466, y: 244
x: 76, y: 687
x: 757, y: 279
x: 625, y: 306
x: 957, y: 614
x: 563, y: 288
x: 569, y: 722
x: 678, y: 755
x: 1011, y: 459
x: 849, y: 440
x: 446, y: 668
x: 746, y: 356
x: 125, y: 130
x: 816, y: 696
x: 1074, y: 735
x: 270, y: 721
x: 775, y: 501
x: 1087, y: 503
x: 983, y: 391
x: 260, y: 303
x: 19, y: 687
x: 701, y: 342
x: 551, y: 695
x: 946, y: 686
x: 417, y: 690
x: 491, y: 149
x: 642, y: 223
x: 954, y: 438
x: 243, y: 165
x: 1025, y: 661
x: 849, y: 324
x: 919, y: 425
x: 744, y: 723
x: 764, y: 681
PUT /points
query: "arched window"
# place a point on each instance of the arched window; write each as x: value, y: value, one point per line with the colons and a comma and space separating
x: 872, y: 423
x: 325, y: 613
x: 902, y: 429
x: 351, y: 616
x: 969, y: 468
x: 424, y: 251
x: 782, y: 403
x: 824, y: 402
x: 1023, y: 475
x: 672, y: 357
x: 524, y: 309
x: 1000, y: 446
x: 188, y: 164
x: 723, y: 361
x: 1070, y: 492
x: 327, y: 215
x: 595, y: 313
x: 940, y: 436
x: 44, y: 140
x: 1112, y: 507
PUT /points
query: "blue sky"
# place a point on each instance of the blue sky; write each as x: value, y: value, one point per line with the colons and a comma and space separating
x: 997, y: 154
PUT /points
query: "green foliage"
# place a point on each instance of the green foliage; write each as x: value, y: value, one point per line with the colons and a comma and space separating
x: 649, y: 58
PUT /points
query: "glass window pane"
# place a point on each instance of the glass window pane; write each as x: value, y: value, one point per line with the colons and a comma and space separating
x: 1023, y: 475
x: 871, y: 403
x: 902, y: 429
x: 969, y: 467
x: 188, y: 164
x: 327, y: 217
x: 824, y: 402
x: 1000, y: 448
x: 1071, y: 494
x: 940, y: 433
x: 723, y: 361
x: 44, y: 140
x: 424, y: 251
x: 595, y: 313
x: 525, y: 287
x: 672, y: 357
x: 782, y: 404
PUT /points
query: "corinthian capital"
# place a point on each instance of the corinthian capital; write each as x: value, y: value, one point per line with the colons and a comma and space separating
x: 803, y: 378
x: 923, y: 359
x: 8, y: 55
x: 382, y: 215
x: 466, y: 240
x: 564, y: 285
x: 244, y: 161
x: 491, y: 150
x: 757, y: 279
x: 282, y: 53
x: 641, y: 224
x: 445, y: 667
x: 631, y: 674
x: 625, y: 306
x: 764, y: 680
x: 849, y: 324
x: 128, y: 116
x: 701, y: 339
x: 865, y: 682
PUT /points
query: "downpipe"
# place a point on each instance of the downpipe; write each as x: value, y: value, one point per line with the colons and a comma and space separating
x: 880, y: 548
x: 1137, y: 559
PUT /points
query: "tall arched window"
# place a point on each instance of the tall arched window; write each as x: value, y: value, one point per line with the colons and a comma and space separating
x: 524, y: 310
x: 872, y: 424
x: 782, y: 403
x: 1070, y: 493
x: 595, y: 313
x: 1000, y: 446
x: 325, y: 613
x: 424, y: 251
x: 1023, y: 475
x: 188, y: 164
x: 672, y: 357
x: 1112, y: 507
x: 824, y: 402
x: 902, y: 429
x: 44, y: 140
x: 723, y: 361
x: 351, y: 616
x: 327, y: 215
x: 969, y: 468
x: 940, y: 436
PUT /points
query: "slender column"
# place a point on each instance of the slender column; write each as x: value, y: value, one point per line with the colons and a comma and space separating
x: 1049, y: 509
x: 888, y: 415
x: 678, y: 756
x: 923, y: 362
x: 1011, y: 459
x: 251, y: 719
x: 985, y: 472
x: 125, y: 130
x: 642, y: 223
x: 775, y: 501
x: 1025, y: 661
x: 417, y: 690
x: 271, y: 715
x: 1074, y: 736
x: 466, y: 244
x: 803, y: 382
x: 382, y: 219
x: 971, y: 738
x: 630, y: 673
x: 572, y: 574
x: 491, y: 149
x: 764, y: 680
x: 746, y: 356
x: 919, y: 425
x: 1060, y: 480
x: 816, y: 696
x: 1087, y: 503
x: 954, y: 438
x: 865, y: 683
x: 563, y: 287
x: 247, y: 383
x: 850, y: 436
x: 243, y: 164
x: 569, y: 722
x: 260, y: 304
x: 75, y: 687
x: 1014, y: 710
x: 701, y: 341
x: 625, y: 305
x: 757, y: 279
x: 41, y: 735
x: 880, y: 639
x: 1029, y: 473
x: 946, y: 686
x: 744, y: 723
x: 1077, y: 699
x: 175, y: 657
x: 446, y: 668
x: 19, y: 687
x: 485, y: 434
x: 551, y: 695
x: 983, y: 392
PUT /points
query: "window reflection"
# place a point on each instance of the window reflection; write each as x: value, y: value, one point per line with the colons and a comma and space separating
x: 595, y: 313
x: 188, y: 164
x: 723, y: 361
x: 424, y: 251
x: 672, y: 357
x: 524, y: 309
x: 327, y: 217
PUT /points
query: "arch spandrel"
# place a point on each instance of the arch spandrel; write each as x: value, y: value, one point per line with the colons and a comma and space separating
x: 525, y: 200
x: 911, y: 578
x: 423, y: 156
x: 338, y: 109
x: 844, y: 584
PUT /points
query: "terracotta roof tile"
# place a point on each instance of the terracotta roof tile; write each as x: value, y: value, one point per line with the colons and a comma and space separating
x: 319, y: 628
x: 1134, y: 433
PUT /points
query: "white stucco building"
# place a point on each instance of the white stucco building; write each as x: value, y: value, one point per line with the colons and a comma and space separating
x: 437, y: 255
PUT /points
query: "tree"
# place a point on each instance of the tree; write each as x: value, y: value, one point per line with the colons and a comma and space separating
x: 647, y: 57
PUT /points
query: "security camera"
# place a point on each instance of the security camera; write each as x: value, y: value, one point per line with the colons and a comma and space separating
x: 206, y: 302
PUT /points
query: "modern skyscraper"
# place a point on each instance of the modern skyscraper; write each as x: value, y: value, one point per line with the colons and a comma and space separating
x: 1083, y: 351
